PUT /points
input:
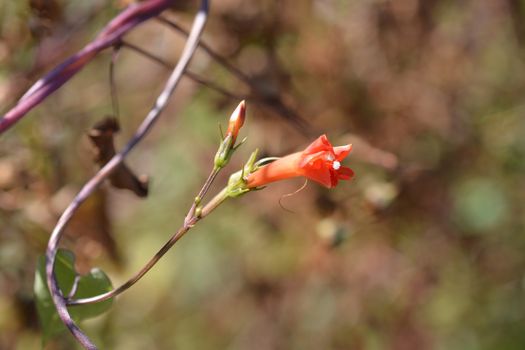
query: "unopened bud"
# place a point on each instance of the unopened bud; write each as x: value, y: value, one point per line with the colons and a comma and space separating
x: 227, y: 145
x: 236, y: 121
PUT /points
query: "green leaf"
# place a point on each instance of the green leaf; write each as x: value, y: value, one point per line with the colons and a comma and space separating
x: 92, y: 284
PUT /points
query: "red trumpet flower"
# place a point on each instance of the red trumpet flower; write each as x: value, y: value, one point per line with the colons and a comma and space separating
x: 320, y: 162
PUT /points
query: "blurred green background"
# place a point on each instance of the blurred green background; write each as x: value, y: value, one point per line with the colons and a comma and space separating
x: 424, y: 249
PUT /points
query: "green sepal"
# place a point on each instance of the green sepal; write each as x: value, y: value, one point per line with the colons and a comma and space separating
x: 222, y: 157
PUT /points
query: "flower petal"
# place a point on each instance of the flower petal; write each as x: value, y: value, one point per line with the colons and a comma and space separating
x: 334, y: 178
x: 313, y: 161
x: 342, y: 151
x: 345, y: 173
x: 319, y: 145
x: 321, y: 176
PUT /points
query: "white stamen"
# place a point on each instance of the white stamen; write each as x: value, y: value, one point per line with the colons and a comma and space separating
x: 336, y: 165
x: 329, y: 157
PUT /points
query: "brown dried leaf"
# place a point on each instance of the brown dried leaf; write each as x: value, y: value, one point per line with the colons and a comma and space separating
x: 101, y: 135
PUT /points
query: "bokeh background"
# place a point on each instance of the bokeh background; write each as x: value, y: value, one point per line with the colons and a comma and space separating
x: 424, y: 249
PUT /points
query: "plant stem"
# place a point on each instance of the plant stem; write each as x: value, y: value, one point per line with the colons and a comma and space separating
x: 202, y: 193
x: 214, y: 203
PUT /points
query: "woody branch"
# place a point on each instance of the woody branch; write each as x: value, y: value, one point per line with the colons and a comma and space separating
x: 128, y: 19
